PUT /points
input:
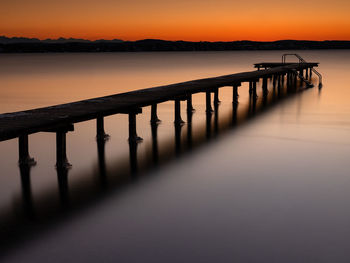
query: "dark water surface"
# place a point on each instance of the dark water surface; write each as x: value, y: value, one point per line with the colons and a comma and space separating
x: 269, y: 185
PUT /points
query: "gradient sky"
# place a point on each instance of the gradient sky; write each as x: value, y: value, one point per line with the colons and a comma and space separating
x: 192, y: 20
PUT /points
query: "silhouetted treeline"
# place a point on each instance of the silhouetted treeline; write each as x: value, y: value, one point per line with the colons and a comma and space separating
x: 161, y: 45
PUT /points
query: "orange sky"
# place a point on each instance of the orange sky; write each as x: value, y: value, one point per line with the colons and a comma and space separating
x: 191, y: 20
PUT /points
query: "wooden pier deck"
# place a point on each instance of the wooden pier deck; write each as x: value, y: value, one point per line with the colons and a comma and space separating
x: 266, y: 65
x: 23, y: 123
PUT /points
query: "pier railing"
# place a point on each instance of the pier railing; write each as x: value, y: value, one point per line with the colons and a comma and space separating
x: 301, y: 60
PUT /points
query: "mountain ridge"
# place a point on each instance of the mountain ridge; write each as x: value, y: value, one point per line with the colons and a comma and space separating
x: 34, y: 45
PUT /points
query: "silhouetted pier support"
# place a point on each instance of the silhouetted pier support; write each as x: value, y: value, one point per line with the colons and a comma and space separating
x: 177, y: 108
x: 23, y: 151
x: 61, y: 150
x: 274, y: 81
x: 154, y: 130
x: 264, y: 86
x: 154, y: 117
x: 216, y: 97
x: 189, y: 104
x: 208, y: 108
x: 235, y: 94
x: 290, y: 79
x: 133, y: 137
x: 252, y: 88
x: 100, y: 131
x: 61, y: 141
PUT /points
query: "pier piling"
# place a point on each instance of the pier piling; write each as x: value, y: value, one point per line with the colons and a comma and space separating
x: 189, y: 104
x: 178, y: 120
x: 23, y: 151
x: 133, y: 137
x: 154, y: 117
x: 235, y: 94
x: 100, y: 131
x: 216, y: 97
x: 61, y: 150
x: 208, y: 102
x: 264, y: 86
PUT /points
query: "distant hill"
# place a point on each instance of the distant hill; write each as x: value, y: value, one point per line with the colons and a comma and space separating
x: 19, y: 40
x: 26, y: 45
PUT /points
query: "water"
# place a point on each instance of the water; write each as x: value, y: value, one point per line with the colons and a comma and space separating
x: 268, y: 187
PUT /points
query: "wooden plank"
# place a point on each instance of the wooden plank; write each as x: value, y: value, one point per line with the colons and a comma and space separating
x: 15, y: 124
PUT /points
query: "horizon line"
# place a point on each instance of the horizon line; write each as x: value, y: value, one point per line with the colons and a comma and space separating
x: 111, y: 39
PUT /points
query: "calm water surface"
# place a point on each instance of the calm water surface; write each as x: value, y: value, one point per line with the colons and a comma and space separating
x: 269, y: 186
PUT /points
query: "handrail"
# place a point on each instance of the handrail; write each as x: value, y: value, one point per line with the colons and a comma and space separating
x: 301, y: 60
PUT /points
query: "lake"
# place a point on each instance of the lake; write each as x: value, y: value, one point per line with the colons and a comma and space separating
x: 264, y: 185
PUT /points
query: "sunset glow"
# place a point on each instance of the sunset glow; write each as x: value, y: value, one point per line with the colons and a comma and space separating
x: 193, y: 20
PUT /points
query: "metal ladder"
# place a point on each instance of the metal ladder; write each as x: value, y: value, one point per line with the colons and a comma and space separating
x: 307, y: 82
x: 301, y: 60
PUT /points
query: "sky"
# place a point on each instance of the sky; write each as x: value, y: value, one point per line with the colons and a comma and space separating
x: 191, y: 20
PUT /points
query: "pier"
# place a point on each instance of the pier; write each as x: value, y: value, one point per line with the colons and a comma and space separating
x: 60, y: 119
x: 274, y: 90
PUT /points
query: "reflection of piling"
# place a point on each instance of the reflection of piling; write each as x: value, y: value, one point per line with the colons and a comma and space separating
x: 208, y: 125
x: 154, y: 129
x: 133, y: 157
x: 264, y: 100
x: 274, y: 80
x: 252, y: 106
x: 62, y: 176
x: 26, y: 190
x: 102, y: 161
x: 189, y: 129
x: 178, y: 128
x: 216, y: 118
x: 264, y: 86
x: 234, y: 113
x: 253, y: 92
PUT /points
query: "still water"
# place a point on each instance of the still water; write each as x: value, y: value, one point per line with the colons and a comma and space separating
x: 242, y: 186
